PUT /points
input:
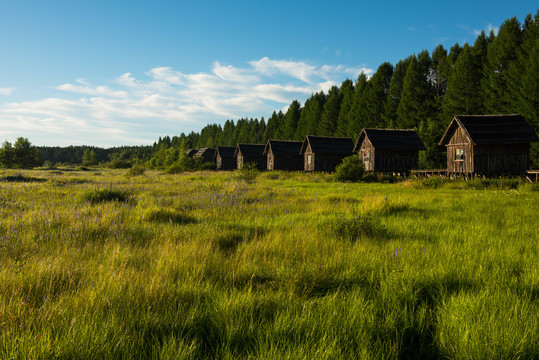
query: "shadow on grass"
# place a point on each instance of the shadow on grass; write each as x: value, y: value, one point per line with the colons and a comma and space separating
x: 235, y: 235
x: 170, y: 216
x: 22, y: 178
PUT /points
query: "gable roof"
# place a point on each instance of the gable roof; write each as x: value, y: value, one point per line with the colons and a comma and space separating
x: 250, y: 150
x: 201, y: 151
x: 225, y: 151
x: 282, y: 147
x: 492, y: 129
x: 390, y: 139
x: 191, y: 152
x: 328, y: 145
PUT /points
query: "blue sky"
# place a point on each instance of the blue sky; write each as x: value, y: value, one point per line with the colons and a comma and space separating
x: 111, y: 73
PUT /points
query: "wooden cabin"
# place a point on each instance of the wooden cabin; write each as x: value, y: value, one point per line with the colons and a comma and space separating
x: 207, y: 155
x: 388, y: 150
x: 191, y: 152
x: 325, y: 153
x: 224, y: 157
x: 250, y: 153
x: 488, y: 144
x: 283, y: 155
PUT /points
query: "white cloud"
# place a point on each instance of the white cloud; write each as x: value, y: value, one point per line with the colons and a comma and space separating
x: 132, y: 110
x: 488, y: 29
x: 6, y: 91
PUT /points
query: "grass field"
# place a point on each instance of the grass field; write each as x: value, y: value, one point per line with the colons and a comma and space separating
x: 101, y: 265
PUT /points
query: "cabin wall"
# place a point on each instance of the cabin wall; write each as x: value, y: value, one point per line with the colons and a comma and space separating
x: 289, y: 162
x: 396, y: 160
x: 259, y: 161
x: 501, y: 158
x: 271, y: 161
x: 366, y: 155
x: 309, y: 160
x: 460, y: 153
x: 225, y: 163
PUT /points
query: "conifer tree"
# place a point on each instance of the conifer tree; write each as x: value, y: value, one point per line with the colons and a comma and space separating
x: 356, y: 121
x: 330, y: 115
x: 310, y: 116
x: 394, y: 93
x: 375, y: 95
x: 344, y: 118
x: 463, y: 94
x: 291, y: 119
x: 502, y: 52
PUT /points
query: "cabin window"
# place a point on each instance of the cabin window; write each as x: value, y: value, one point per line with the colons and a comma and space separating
x: 459, y: 154
x: 367, y: 157
x: 309, y: 159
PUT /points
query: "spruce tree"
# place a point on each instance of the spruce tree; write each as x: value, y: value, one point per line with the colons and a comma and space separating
x: 375, y: 95
x: 463, y: 94
x: 291, y: 119
x: 344, y: 118
x: 330, y: 115
x: 394, y: 93
x: 356, y: 121
x: 502, y: 52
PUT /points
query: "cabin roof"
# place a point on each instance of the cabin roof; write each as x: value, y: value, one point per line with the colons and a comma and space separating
x: 328, y: 145
x: 250, y: 150
x: 191, y: 152
x: 492, y: 129
x: 390, y: 139
x: 201, y: 151
x: 225, y: 151
x: 282, y: 147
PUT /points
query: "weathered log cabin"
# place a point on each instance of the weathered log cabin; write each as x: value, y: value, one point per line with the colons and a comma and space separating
x: 325, y: 153
x: 283, y: 155
x: 191, y: 152
x: 207, y: 155
x: 488, y: 144
x: 388, y: 150
x: 250, y: 153
x: 224, y: 157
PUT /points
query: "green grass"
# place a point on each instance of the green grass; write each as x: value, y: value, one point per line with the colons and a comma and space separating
x: 205, y: 266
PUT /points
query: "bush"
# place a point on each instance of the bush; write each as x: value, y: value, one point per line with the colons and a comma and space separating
x: 248, y: 173
x: 351, y: 169
x: 355, y: 226
x: 105, y: 195
x: 136, y: 170
x: 119, y: 164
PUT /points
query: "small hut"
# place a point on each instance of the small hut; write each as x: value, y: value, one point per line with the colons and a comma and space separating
x: 325, y: 153
x: 207, y: 155
x: 191, y: 152
x: 250, y: 153
x: 224, y: 157
x: 283, y: 155
x: 388, y: 150
x: 488, y: 144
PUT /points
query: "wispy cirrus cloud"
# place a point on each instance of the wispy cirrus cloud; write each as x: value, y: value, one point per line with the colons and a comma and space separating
x: 487, y: 30
x: 7, y: 91
x: 136, y: 110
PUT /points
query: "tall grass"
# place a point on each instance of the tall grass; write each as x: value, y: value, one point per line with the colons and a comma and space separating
x: 201, y: 266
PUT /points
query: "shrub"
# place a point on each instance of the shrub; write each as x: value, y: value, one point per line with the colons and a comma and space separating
x: 351, y: 169
x: 105, y: 195
x: 352, y: 227
x: 248, y: 173
x: 136, y: 170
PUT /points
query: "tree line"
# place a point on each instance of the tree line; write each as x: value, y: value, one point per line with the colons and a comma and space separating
x: 497, y: 74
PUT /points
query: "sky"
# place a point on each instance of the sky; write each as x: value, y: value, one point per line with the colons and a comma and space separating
x: 113, y: 73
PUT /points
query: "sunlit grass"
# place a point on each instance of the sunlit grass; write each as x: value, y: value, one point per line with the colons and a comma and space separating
x: 203, y: 265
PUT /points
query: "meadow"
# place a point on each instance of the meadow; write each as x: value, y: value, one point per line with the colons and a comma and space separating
x: 103, y: 265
